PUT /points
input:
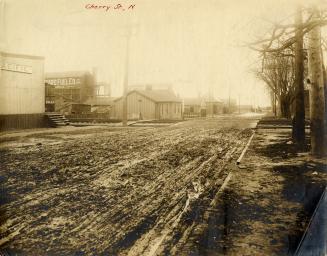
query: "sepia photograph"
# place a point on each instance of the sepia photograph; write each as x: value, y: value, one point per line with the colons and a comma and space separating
x: 163, y: 127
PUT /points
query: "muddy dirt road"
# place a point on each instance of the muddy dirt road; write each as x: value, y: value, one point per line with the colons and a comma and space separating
x: 116, y: 191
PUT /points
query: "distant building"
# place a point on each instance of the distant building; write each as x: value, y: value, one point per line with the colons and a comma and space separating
x: 150, y: 104
x: 245, y: 108
x: 229, y: 106
x: 194, y: 107
x: 66, y: 88
x: 214, y: 107
x: 202, y: 106
x: 21, y: 91
x: 103, y: 89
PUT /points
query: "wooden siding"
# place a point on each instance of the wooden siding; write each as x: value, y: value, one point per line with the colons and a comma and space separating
x: 214, y: 108
x: 22, y: 93
x: 137, y: 105
x: 192, y: 109
x: 170, y: 110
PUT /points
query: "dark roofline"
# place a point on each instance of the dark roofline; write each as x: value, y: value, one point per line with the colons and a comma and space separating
x: 145, y: 96
x: 138, y: 93
x: 17, y: 55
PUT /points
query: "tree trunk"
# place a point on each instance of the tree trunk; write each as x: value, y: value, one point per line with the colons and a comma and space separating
x: 285, y: 107
x: 273, y: 102
x: 317, y: 96
x: 325, y: 93
x: 325, y: 82
x: 298, y: 130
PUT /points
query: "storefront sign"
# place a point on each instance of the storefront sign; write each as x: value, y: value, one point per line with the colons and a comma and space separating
x: 17, y: 68
x: 63, y: 81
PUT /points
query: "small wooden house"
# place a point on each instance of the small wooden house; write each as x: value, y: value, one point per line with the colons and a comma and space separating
x: 149, y: 104
x: 214, y: 107
x: 193, y: 107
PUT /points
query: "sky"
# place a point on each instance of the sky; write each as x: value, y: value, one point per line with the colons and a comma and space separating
x: 197, y: 46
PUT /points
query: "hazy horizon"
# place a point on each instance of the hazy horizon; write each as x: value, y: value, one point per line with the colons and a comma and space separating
x: 195, y: 46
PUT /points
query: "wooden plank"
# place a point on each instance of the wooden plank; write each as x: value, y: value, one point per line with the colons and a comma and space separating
x: 244, y: 150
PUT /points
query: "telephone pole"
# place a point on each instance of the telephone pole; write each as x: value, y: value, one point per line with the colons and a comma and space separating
x: 317, y: 97
x: 125, y: 82
x: 299, y: 118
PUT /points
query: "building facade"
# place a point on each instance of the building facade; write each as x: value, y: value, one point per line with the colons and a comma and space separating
x: 194, y: 107
x: 214, y: 107
x: 22, y: 91
x: 149, y: 105
x: 66, y: 88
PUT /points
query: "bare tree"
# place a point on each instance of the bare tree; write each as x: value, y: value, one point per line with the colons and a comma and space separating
x: 290, y: 37
x: 277, y: 72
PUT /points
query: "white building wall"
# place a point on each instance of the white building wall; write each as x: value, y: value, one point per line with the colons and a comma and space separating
x: 22, y: 89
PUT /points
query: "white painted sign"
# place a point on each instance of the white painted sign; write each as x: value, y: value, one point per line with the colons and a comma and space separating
x: 64, y: 81
x: 17, y: 68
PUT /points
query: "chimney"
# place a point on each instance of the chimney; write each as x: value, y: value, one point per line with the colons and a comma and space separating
x: 148, y: 87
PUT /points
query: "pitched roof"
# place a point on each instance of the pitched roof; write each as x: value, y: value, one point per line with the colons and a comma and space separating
x: 200, y: 101
x: 192, y: 101
x: 160, y: 95
x: 164, y: 95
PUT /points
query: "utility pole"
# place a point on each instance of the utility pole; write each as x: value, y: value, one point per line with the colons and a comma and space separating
x: 299, y: 118
x: 229, y: 110
x: 125, y: 82
x: 317, y: 97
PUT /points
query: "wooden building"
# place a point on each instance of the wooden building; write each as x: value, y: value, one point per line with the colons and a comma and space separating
x: 22, y: 92
x: 66, y: 88
x: 194, y: 107
x: 245, y: 109
x: 214, y: 107
x: 150, y: 104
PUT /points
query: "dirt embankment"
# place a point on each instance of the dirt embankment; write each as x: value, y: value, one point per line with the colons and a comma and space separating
x: 271, y: 198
